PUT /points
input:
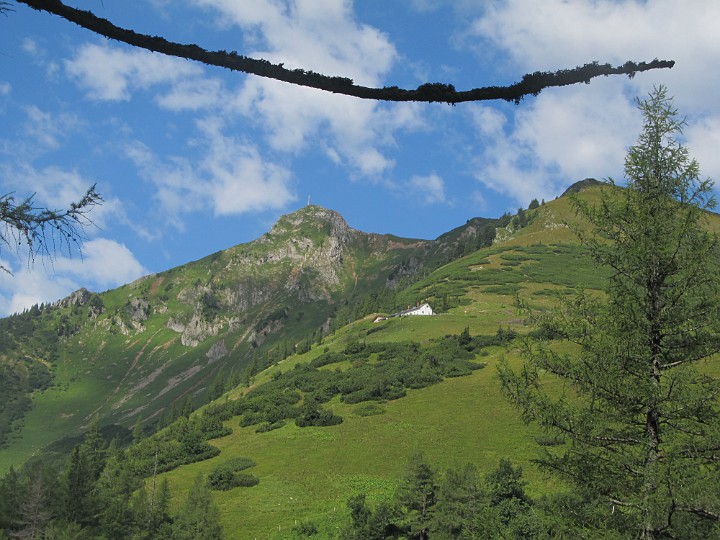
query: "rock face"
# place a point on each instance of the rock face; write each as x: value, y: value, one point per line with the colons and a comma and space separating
x: 77, y: 298
x: 314, y: 240
x: 311, y: 255
x: 139, y: 309
x: 217, y: 351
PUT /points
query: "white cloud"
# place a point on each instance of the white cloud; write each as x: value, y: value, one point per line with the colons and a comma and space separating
x: 230, y: 177
x: 239, y: 180
x: 110, y: 73
x: 569, y: 133
x: 555, y: 140
x: 318, y: 35
x: 45, y: 129
x: 324, y: 37
x: 5, y: 88
x: 193, y: 94
x: 703, y: 141
x: 104, y: 264
x: 428, y: 189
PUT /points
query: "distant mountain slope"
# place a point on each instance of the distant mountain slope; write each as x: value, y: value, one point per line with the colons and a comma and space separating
x: 142, y: 351
x: 307, y: 474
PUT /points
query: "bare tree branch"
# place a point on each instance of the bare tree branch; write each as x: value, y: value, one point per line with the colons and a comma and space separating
x: 531, y: 84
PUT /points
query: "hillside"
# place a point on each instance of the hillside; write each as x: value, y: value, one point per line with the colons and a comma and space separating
x: 139, y: 354
x: 320, y: 415
x: 308, y: 474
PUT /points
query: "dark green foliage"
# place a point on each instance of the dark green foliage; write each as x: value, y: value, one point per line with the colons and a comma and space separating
x: 456, y: 504
x: 505, y: 335
x: 269, y: 426
x: 115, y: 488
x: 508, y: 290
x: 306, y: 528
x: 223, y: 479
x: 369, y: 409
x: 199, y: 519
x: 550, y: 440
x: 209, y: 306
x: 641, y: 420
x: 416, y: 496
x: 396, y: 368
x: 314, y: 416
x: 504, y: 220
x: 184, y: 441
x: 227, y: 475
x: 520, y: 219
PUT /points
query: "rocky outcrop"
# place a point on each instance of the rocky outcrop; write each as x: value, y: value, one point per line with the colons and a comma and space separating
x: 217, y: 351
x: 197, y: 330
x: 138, y: 309
x: 77, y: 298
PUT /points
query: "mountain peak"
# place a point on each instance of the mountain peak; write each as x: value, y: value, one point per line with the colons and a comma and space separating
x: 581, y: 185
x: 312, y: 221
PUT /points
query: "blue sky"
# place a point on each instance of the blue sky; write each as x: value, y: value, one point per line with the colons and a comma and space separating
x: 193, y: 159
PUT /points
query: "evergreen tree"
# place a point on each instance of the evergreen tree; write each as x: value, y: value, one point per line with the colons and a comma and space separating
x: 116, y: 486
x: 459, y: 508
x: 199, y: 519
x: 11, y: 492
x: 79, y: 485
x: 33, y: 511
x: 160, y: 510
x: 417, y: 495
x: 642, y: 420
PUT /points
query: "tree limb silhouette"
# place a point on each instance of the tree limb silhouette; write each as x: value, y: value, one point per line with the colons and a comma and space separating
x: 530, y: 84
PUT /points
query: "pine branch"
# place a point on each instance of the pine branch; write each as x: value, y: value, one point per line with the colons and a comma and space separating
x: 40, y: 228
x: 530, y: 84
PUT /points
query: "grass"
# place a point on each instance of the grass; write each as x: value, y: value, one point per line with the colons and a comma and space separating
x: 307, y: 474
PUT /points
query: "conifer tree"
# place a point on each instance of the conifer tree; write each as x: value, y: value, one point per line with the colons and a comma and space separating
x: 417, y: 495
x: 640, y: 413
x: 199, y: 519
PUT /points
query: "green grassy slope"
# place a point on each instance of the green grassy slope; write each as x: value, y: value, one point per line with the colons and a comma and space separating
x: 138, y: 353
x: 307, y: 474
x: 134, y: 353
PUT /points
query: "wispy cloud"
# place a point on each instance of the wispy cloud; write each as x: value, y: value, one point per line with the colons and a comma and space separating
x: 324, y: 37
x: 111, y: 73
x: 230, y: 176
x: 428, y: 189
x: 569, y: 134
x: 104, y: 264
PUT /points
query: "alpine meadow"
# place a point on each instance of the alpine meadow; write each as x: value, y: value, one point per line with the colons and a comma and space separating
x: 190, y: 351
x: 268, y: 390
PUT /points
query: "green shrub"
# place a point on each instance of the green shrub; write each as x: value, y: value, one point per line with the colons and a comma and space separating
x: 550, y: 440
x: 269, y: 426
x: 507, y: 289
x: 246, y: 480
x: 317, y: 417
x: 306, y: 528
x: 226, y: 476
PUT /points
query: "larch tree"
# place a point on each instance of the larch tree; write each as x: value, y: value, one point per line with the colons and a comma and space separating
x: 638, y: 407
x: 25, y: 225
